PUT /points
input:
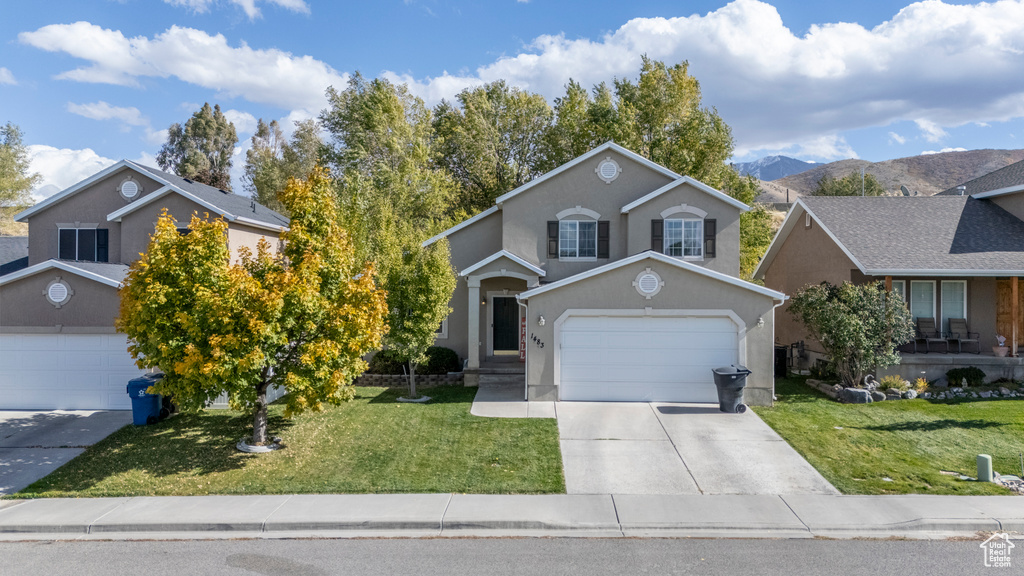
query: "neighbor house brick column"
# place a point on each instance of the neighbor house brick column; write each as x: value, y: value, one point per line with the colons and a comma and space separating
x: 888, y: 283
x: 473, y: 336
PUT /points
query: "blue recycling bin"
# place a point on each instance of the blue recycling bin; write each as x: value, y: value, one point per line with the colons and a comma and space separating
x: 145, y: 406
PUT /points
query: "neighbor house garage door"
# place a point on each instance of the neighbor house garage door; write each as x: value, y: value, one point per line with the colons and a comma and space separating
x: 65, y: 371
x: 644, y: 358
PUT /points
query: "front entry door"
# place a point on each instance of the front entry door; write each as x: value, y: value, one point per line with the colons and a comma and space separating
x: 505, y: 324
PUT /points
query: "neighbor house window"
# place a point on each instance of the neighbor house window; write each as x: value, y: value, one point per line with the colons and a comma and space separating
x: 83, y: 244
x: 900, y: 287
x: 442, y: 330
x: 922, y: 299
x: 684, y: 238
x: 577, y: 239
x: 954, y: 301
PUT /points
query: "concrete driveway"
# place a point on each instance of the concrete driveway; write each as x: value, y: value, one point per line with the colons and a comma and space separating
x: 33, y: 444
x: 661, y: 448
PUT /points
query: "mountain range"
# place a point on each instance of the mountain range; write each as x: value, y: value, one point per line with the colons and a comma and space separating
x: 773, y: 167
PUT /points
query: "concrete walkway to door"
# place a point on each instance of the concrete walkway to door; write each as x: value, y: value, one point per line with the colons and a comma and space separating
x: 662, y: 448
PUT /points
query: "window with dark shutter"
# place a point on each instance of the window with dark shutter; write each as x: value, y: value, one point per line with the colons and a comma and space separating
x: 602, y: 239
x: 658, y: 235
x: 102, y: 245
x: 67, y: 243
x: 87, y: 245
x: 710, y: 230
x: 552, y: 238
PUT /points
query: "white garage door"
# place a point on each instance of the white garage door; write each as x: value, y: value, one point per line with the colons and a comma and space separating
x: 65, y: 372
x: 644, y: 358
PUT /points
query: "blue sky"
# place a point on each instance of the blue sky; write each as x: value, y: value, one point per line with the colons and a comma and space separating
x: 94, y: 81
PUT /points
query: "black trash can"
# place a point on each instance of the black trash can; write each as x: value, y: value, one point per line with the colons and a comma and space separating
x: 781, y: 361
x: 730, y: 381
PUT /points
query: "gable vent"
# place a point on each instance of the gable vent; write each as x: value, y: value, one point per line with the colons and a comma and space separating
x: 648, y: 283
x: 608, y: 170
x: 58, y: 292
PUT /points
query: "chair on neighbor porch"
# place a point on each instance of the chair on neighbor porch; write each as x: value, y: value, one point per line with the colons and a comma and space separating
x: 958, y: 333
x: 928, y: 334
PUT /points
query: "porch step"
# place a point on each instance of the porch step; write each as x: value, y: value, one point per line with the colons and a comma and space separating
x: 501, y: 379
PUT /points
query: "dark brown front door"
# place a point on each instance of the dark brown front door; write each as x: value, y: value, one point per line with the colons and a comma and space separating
x: 505, y: 324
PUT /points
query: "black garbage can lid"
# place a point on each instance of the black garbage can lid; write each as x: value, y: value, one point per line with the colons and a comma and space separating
x: 731, y: 369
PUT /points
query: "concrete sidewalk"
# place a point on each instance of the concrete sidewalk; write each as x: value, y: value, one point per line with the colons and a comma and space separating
x: 453, y: 515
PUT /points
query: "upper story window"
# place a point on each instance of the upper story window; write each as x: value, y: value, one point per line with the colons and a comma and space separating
x: 83, y: 244
x: 684, y: 238
x: 577, y: 239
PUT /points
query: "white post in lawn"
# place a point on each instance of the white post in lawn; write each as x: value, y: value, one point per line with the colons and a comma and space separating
x: 473, y: 337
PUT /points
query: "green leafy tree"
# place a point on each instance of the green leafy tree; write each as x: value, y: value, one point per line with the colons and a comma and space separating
x: 849, y: 185
x: 419, y: 289
x: 201, y: 150
x: 573, y: 130
x: 859, y: 326
x: 16, y: 180
x: 491, y: 142
x: 272, y: 160
x: 300, y: 319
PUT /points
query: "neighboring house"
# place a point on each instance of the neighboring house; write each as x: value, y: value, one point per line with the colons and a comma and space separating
x: 615, y: 279
x: 1005, y: 179
x: 13, y: 253
x: 949, y: 256
x: 58, y: 346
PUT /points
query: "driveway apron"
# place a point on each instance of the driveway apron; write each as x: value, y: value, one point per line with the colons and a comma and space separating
x: 33, y: 444
x: 669, y: 448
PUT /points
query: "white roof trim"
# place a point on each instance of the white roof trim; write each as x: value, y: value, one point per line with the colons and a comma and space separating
x: 118, y: 214
x: 461, y: 225
x: 602, y: 148
x: 660, y: 258
x: 1000, y: 192
x: 503, y: 254
x: 787, y: 226
x: 692, y: 182
x: 19, y: 217
x: 60, y: 266
x: 945, y: 273
x: 260, y: 224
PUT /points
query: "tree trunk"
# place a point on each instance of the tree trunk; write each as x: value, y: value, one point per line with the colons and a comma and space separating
x: 412, y: 380
x: 259, y: 422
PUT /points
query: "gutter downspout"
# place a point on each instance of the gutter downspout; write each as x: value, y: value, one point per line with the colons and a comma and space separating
x: 526, y: 350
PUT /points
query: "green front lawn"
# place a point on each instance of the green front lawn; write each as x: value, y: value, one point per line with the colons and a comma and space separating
x: 370, y: 445
x: 856, y: 446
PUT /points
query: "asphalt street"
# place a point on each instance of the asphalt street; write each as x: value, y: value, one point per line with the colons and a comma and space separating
x: 456, y: 557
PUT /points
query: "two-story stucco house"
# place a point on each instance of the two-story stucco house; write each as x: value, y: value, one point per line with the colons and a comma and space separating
x: 58, y: 345
x: 612, y: 278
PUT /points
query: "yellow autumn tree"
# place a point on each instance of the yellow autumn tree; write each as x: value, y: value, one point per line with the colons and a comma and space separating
x: 300, y: 318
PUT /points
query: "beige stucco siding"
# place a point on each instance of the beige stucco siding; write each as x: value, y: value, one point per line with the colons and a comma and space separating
x: 684, y: 291
x: 138, y: 226
x: 23, y: 303
x: 242, y: 236
x: 88, y: 206
x: 525, y: 216
x: 727, y: 239
x: 807, y: 256
x: 1012, y: 203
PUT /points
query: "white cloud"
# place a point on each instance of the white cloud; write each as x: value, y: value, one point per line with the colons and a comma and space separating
x: 244, y: 122
x: 896, y: 138
x: 103, y: 111
x: 937, y: 64
x: 62, y: 167
x: 268, y: 76
x: 247, y: 6
x: 828, y: 147
x: 944, y: 150
x: 7, y: 77
x: 931, y: 131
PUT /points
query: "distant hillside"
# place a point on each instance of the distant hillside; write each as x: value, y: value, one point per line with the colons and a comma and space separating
x: 773, y: 167
x: 926, y: 174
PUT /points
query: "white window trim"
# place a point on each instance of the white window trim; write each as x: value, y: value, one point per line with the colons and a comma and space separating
x: 576, y: 258
x: 577, y: 211
x: 78, y: 226
x: 934, y: 297
x: 943, y: 286
x: 903, y: 289
x: 684, y: 209
x: 443, y: 334
x: 664, y: 239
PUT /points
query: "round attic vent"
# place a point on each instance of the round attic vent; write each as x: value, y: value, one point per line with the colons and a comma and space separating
x: 129, y: 188
x: 648, y: 283
x: 58, y: 293
x: 608, y: 170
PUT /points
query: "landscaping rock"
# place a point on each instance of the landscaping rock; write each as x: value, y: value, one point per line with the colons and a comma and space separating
x: 1004, y: 391
x: 910, y: 395
x: 856, y: 396
x: 877, y: 396
x: 985, y: 394
x: 892, y: 392
x: 926, y: 395
x: 941, y: 383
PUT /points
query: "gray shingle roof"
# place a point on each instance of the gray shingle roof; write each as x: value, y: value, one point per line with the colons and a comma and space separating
x: 1012, y: 175
x: 947, y: 233
x: 13, y: 248
x: 112, y: 271
x: 233, y: 204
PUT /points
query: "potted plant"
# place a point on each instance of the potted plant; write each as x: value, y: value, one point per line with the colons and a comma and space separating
x: 1002, y: 349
